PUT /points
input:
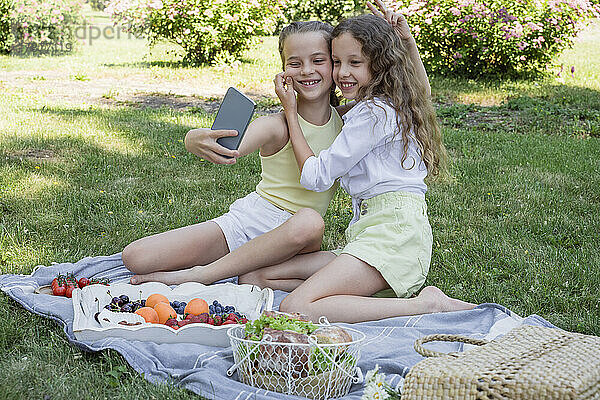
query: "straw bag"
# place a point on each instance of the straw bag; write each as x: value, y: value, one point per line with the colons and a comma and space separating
x: 529, y: 362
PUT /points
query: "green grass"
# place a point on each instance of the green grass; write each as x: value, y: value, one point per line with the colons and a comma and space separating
x: 518, y: 225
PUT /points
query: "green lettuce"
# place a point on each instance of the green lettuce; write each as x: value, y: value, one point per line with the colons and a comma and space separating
x: 254, y: 330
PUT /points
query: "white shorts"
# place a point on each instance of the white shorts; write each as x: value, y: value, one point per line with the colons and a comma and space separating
x: 249, y: 217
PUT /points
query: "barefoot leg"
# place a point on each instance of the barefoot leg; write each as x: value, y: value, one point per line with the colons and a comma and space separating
x: 290, y: 274
x: 177, y: 249
x: 341, y: 291
x: 301, y: 233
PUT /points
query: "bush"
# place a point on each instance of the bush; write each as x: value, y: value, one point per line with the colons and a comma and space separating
x: 474, y: 38
x: 98, y: 5
x: 6, y: 38
x: 45, y: 26
x: 322, y: 10
x: 208, y: 31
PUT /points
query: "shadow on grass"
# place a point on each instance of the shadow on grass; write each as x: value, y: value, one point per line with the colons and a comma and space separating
x: 90, y: 196
x: 176, y: 64
x: 548, y: 109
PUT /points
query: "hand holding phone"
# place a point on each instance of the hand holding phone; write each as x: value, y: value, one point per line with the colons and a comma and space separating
x: 235, y: 113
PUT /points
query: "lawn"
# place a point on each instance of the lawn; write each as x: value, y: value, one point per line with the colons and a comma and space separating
x: 91, y: 158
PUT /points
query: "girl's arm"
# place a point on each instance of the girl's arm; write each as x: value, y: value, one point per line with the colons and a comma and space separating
x: 203, y: 141
x: 286, y: 94
x: 361, y: 133
x: 398, y: 21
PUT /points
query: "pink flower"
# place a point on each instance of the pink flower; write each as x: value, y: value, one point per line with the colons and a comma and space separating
x: 428, y: 21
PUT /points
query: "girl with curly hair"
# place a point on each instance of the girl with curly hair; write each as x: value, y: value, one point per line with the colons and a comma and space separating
x: 389, y: 144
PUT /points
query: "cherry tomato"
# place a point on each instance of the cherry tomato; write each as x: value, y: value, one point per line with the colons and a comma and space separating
x: 69, y: 291
x: 83, y: 282
x: 59, y: 291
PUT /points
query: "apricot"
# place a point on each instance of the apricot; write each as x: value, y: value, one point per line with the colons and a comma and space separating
x: 156, y: 298
x: 149, y: 314
x: 165, y: 312
x: 196, y: 306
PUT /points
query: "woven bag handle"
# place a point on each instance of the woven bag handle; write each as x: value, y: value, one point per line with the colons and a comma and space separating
x: 444, y: 338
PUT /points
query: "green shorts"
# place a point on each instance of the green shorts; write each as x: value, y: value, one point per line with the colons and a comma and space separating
x: 393, y: 235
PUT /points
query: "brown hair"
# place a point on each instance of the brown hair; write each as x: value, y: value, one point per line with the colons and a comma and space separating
x: 393, y: 77
x: 323, y: 28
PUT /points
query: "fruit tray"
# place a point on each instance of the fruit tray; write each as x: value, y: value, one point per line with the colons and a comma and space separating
x: 249, y: 300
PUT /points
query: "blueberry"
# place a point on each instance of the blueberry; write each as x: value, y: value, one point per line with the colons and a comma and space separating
x: 180, y: 310
x: 211, y: 309
x: 175, y: 304
x: 218, y: 309
x: 107, y: 306
x: 124, y: 299
x: 215, y: 303
x: 116, y: 300
x: 182, y: 304
x: 143, y: 303
x: 126, y: 308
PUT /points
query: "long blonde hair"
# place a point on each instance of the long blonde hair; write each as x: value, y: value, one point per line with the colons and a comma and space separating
x: 394, y: 79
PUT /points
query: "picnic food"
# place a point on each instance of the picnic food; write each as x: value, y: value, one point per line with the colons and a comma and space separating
x: 165, y: 312
x: 64, y: 284
x: 294, y: 328
x: 156, y: 298
x: 286, y: 353
x: 149, y: 314
x: 122, y: 304
x: 196, y: 307
x: 177, y: 313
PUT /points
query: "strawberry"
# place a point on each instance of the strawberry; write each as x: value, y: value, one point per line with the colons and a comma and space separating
x: 231, y: 317
x: 210, y: 321
x: 229, y: 322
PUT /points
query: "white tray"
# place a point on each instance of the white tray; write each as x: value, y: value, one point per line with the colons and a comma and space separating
x: 249, y: 300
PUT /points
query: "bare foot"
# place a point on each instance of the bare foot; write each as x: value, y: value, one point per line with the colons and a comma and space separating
x: 168, y: 278
x: 438, y: 301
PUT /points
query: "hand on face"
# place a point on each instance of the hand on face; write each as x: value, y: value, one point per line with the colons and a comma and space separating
x: 285, y: 91
x: 395, y: 19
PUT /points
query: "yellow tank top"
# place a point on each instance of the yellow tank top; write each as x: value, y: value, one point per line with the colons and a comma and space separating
x: 280, y: 176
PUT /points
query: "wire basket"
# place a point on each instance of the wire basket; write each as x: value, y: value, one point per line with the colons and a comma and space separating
x: 312, y: 370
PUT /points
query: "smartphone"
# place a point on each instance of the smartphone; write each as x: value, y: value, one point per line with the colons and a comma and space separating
x: 235, y: 112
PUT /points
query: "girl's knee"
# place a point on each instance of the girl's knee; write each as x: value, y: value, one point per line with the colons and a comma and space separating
x: 253, y: 278
x: 294, y: 303
x: 132, y: 257
x: 308, y: 227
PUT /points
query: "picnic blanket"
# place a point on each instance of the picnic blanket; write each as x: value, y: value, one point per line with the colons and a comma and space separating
x: 202, y: 369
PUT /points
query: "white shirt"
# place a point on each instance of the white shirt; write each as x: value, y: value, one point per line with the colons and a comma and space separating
x: 366, y: 156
